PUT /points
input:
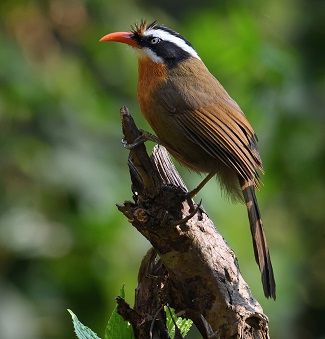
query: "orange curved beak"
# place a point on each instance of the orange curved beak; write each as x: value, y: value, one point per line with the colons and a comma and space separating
x: 124, y: 37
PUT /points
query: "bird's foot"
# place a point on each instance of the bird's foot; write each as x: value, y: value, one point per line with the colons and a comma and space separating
x: 142, y: 138
x: 188, y: 217
x: 190, y: 201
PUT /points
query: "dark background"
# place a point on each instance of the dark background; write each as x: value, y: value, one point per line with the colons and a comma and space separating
x: 63, y: 244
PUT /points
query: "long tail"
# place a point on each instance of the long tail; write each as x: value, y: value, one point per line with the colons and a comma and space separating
x: 261, y: 250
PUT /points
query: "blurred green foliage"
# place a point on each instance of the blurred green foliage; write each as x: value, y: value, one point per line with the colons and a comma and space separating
x: 63, y: 244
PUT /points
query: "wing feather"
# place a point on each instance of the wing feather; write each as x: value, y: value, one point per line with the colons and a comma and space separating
x: 195, y: 134
x: 221, y: 134
x: 211, y: 118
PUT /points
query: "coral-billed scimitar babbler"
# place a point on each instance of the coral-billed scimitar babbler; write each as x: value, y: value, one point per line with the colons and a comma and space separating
x: 198, y: 122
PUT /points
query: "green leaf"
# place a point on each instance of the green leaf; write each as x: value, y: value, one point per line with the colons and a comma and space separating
x: 117, y: 327
x: 82, y: 331
x: 184, y: 325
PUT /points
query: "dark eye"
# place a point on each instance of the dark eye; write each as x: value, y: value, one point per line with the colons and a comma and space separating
x: 155, y: 40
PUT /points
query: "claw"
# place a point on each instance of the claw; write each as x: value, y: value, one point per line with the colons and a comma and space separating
x: 190, y: 201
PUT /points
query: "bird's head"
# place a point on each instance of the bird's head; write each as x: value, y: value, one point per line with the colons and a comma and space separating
x: 157, y: 42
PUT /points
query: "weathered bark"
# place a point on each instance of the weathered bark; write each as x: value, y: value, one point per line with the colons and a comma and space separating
x: 191, y: 267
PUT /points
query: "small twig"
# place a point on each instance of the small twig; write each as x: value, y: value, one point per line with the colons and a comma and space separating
x: 154, y: 320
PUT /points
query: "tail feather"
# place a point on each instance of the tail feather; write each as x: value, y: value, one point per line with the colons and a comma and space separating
x: 261, y: 250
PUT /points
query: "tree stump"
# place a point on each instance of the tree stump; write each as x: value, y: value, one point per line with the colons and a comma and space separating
x: 190, y: 267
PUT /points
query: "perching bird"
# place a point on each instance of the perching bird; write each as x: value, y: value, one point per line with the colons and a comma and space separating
x: 198, y: 122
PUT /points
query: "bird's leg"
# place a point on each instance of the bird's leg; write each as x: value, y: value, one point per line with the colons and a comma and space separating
x: 142, y: 138
x: 191, y: 194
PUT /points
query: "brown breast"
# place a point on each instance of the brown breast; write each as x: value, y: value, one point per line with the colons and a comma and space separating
x: 151, y: 74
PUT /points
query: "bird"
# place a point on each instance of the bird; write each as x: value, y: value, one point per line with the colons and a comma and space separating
x: 198, y: 122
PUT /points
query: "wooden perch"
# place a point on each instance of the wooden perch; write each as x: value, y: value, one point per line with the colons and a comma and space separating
x: 190, y: 267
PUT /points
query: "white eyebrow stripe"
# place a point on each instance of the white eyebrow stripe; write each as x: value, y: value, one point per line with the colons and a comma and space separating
x: 163, y: 35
